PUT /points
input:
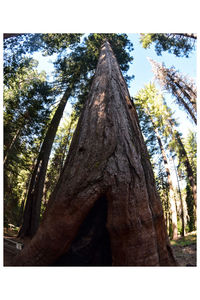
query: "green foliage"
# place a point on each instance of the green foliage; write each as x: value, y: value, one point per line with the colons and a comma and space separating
x: 21, y: 47
x: 59, y: 43
x: 163, y: 188
x: 26, y: 104
x: 162, y: 126
x: 15, y: 50
x: 77, y: 68
x: 178, y: 44
x: 119, y: 43
x: 83, y: 61
x: 152, y: 114
x: 191, y: 148
x: 185, y: 241
x: 27, y: 99
x: 190, y: 208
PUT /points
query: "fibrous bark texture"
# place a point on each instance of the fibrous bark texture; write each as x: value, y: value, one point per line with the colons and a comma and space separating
x: 107, y: 165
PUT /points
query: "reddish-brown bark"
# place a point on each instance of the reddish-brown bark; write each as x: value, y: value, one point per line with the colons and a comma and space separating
x: 107, y: 163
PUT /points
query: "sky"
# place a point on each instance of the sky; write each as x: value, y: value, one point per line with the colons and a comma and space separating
x: 141, y: 69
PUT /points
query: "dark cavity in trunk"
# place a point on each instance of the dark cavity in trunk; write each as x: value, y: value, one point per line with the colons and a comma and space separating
x: 91, y: 247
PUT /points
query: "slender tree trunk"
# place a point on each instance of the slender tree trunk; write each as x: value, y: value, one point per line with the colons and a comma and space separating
x: 181, y: 201
x: 171, y: 189
x: 177, y: 92
x: 105, y: 206
x: 31, y: 217
x: 188, y: 35
x: 188, y: 169
x: 24, y: 200
x: 166, y: 203
x: 185, y: 160
x: 169, y: 79
x: 190, y: 96
x: 44, y: 200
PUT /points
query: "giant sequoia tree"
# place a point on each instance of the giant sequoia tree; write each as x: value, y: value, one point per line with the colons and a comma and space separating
x: 73, y: 70
x: 105, y: 209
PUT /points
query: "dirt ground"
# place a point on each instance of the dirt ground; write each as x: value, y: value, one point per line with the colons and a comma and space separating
x: 184, y: 249
x: 186, y: 256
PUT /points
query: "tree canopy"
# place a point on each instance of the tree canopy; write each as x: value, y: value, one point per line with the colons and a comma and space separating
x: 180, y: 44
x: 38, y: 131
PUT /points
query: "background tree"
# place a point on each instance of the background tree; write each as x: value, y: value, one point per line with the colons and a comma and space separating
x: 177, y: 145
x: 174, y: 142
x: 180, y: 44
x: 191, y: 148
x: 27, y: 97
x: 183, y: 89
x: 183, y: 211
x: 149, y: 100
x: 26, y: 104
x: 163, y: 190
x: 190, y: 144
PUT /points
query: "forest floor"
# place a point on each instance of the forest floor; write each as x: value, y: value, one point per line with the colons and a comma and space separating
x: 184, y: 248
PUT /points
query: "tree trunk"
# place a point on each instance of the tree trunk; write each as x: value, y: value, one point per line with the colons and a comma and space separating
x: 188, y: 35
x: 178, y: 90
x: 171, y: 189
x: 182, y: 102
x: 107, y: 184
x: 31, y: 217
x: 185, y: 160
x: 183, y: 213
x: 165, y: 202
x: 184, y: 93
